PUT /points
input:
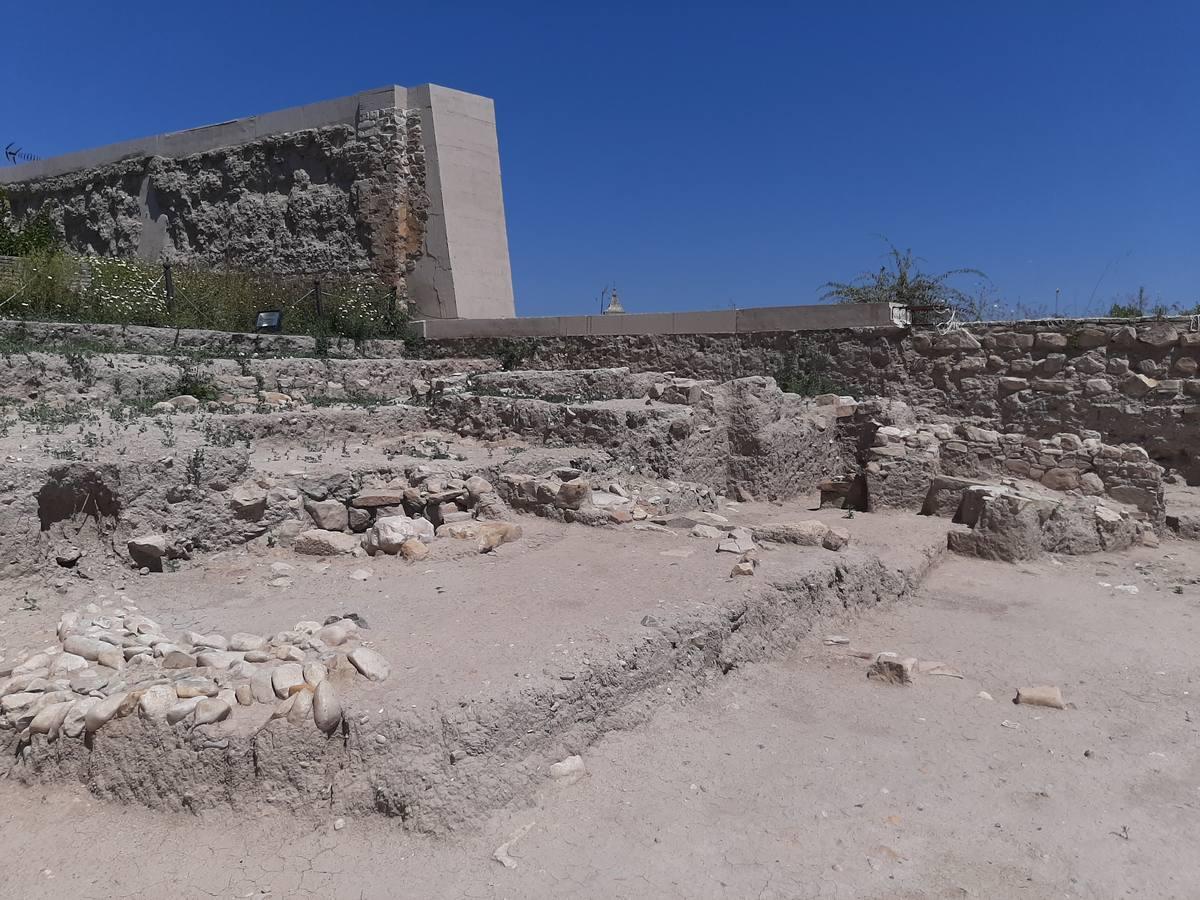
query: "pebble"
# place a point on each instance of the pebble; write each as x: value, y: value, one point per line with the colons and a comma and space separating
x: 571, y: 767
x: 314, y: 673
x: 262, y: 687
x: 333, y: 635
x: 85, y: 647
x: 327, y: 711
x: 50, y: 719
x: 217, y: 659
x: 211, y: 710
x: 244, y: 641
x: 208, y: 641
x: 339, y: 824
x: 182, y: 710
x: 302, y: 707
x: 244, y: 694
x: 96, y: 717
x: 74, y: 723
x: 257, y: 656
x: 156, y: 702
x: 195, y: 687
x: 285, y: 677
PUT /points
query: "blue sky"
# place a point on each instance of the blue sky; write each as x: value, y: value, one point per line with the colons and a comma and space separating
x: 702, y: 155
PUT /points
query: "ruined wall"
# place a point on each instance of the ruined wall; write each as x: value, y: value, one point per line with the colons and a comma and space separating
x: 1131, y: 382
x: 342, y: 198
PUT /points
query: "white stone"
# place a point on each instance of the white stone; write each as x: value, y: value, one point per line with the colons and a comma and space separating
x: 327, y: 711
x: 286, y: 677
x: 370, y: 664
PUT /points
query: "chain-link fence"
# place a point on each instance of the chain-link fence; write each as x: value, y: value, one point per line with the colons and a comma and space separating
x: 62, y: 287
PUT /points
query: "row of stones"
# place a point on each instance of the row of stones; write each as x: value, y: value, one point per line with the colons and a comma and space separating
x: 113, y: 663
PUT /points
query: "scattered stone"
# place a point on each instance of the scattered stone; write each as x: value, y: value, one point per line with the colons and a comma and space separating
x: 244, y: 694
x: 705, y: 531
x: 177, y: 659
x: 493, y: 534
x: 742, y: 568
x: 835, y: 538
x: 571, y: 768
x: 369, y: 664
x: 414, y: 550
x: 1044, y: 695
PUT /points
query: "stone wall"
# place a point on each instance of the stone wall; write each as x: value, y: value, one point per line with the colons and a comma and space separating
x: 402, y: 182
x: 339, y: 198
x: 1131, y: 382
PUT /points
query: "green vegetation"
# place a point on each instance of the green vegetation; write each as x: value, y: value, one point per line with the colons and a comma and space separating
x: 33, y: 236
x: 1136, y: 306
x: 904, y: 283
x: 46, y: 284
x: 804, y: 371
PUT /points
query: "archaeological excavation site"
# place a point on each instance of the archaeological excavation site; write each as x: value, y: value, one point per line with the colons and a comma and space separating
x: 366, y: 584
x: 324, y: 574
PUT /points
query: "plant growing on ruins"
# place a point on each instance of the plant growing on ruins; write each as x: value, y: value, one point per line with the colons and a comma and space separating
x: 804, y: 371
x: 903, y: 283
x: 35, y: 236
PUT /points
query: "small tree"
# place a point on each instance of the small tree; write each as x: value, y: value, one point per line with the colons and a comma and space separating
x: 903, y: 283
x: 1135, y: 306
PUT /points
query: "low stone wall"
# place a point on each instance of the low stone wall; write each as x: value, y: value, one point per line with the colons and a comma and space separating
x: 1131, y: 381
x: 1064, y: 462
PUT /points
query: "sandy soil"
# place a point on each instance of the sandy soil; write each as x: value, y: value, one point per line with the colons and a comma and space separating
x: 797, y: 778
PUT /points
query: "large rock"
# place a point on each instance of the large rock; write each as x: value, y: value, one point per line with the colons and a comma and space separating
x: 328, y: 515
x: 149, y: 550
x: 248, y: 502
x: 389, y: 534
x: 573, y: 494
x: 318, y: 542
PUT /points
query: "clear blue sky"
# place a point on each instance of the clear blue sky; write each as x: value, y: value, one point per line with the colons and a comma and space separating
x: 701, y: 155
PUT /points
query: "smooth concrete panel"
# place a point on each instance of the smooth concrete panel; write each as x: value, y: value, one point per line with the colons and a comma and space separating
x: 807, y: 318
x: 466, y: 271
x: 643, y: 323
x: 725, y: 321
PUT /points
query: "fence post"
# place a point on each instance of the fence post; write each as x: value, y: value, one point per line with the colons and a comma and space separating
x: 169, y: 285
x: 317, y: 295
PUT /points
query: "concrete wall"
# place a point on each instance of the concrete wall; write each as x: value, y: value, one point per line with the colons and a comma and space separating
x: 402, y: 182
x: 464, y: 269
x: 722, y: 321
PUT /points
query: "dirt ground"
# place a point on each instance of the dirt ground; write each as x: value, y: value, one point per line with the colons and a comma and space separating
x: 792, y: 779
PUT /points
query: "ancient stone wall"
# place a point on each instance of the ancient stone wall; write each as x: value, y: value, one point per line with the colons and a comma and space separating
x: 1131, y: 382
x: 333, y: 199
